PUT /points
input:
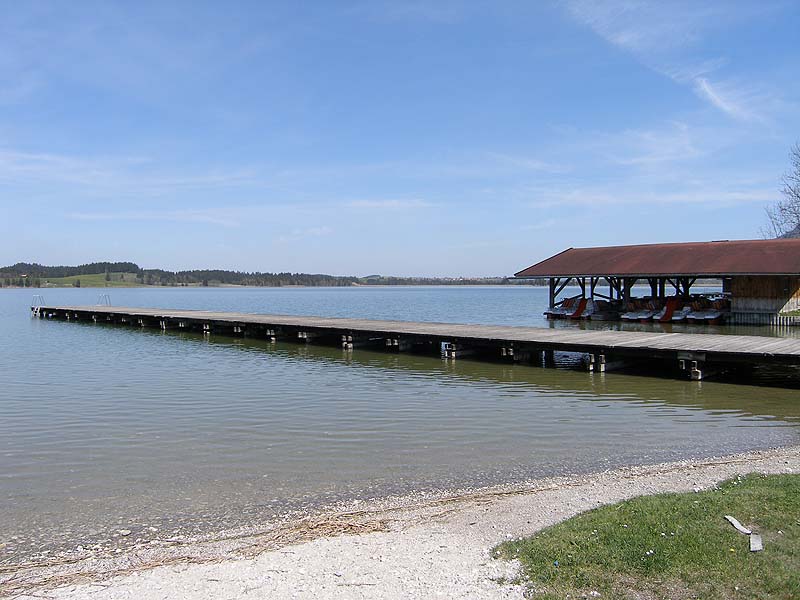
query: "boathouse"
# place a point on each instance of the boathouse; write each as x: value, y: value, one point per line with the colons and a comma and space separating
x: 760, y: 278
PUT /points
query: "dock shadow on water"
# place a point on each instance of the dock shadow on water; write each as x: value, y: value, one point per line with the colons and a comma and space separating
x: 114, y: 436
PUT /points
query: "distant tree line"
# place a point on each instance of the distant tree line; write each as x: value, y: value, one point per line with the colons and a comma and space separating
x: 36, y: 270
x: 32, y: 275
x: 390, y: 280
x: 21, y: 275
x: 6, y: 281
x: 207, y: 277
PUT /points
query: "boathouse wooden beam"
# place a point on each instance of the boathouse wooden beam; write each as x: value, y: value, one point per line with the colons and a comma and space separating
x: 557, y: 285
x: 563, y: 284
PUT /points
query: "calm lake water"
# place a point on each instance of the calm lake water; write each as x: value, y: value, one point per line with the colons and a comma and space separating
x: 103, y: 428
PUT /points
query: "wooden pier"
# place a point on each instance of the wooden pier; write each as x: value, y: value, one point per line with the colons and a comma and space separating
x: 694, y: 355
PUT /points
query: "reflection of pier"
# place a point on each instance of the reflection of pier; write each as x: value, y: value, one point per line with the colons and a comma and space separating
x: 693, y: 354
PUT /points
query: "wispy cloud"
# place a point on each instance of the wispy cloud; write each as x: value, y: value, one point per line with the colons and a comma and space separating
x: 595, y: 197
x: 528, y: 163
x: 540, y: 225
x: 296, y: 235
x: 666, y: 37
x: 736, y: 102
x: 646, y: 26
x: 123, y: 176
x: 388, y: 204
x: 643, y: 147
x: 441, y: 11
x: 208, y: 216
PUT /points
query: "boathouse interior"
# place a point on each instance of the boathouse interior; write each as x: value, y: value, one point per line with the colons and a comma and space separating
x: 760, y: 281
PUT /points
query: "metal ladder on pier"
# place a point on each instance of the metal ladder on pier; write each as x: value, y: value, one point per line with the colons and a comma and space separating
x: 36, y: 305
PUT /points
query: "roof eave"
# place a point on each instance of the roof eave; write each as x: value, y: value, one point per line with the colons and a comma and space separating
x: 645, y: 275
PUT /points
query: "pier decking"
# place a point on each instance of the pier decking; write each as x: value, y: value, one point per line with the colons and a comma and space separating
x: 690, y: 353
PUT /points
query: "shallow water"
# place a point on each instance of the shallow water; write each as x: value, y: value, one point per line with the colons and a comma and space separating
x: 105, y: 427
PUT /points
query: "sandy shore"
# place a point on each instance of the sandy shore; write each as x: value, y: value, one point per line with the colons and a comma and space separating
x: 414, y: 547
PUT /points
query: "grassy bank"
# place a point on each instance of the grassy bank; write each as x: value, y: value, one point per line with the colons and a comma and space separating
x: 94, y: 280
x: 672, y: 546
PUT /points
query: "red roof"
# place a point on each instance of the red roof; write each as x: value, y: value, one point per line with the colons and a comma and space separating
x: 741, y: 257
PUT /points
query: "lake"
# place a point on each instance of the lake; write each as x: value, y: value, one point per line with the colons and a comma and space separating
x: 104, y: 428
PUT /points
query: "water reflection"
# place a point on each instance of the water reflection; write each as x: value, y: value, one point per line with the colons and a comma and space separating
x: 107, y: 427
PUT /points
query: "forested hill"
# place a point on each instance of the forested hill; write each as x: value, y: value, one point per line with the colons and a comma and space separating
x: 133, y: 274
x: 35, y: 270
x: 114, y: 274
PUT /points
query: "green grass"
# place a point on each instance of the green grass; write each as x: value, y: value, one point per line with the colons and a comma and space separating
x: 98, y: 280
x: 672, y: 546
x: 791, y: 313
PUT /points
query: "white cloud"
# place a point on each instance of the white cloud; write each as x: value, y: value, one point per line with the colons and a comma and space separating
x: 541, y: 225
x: 666, y: 36
x: 735, y: 102
x: 301, y: 234
x: 123, y: 176
x: 643, y: 147
x: 706, y: 196
x: 647, y: 26
x: 208, y: 216
x: 388, y: 204
x: 528, y: 163
x: 441, y: 11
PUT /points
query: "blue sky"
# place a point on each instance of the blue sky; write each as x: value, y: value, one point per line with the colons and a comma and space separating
x: 407, y: 138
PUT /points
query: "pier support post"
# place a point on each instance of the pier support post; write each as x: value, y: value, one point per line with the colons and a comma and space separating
x: 696, y: 373
x: 515, y: 355
x: 305, y: 336
x: 694, y: 364
x: 354, y: 340
x: 453, y: 350
x: 693, y: 368
x: 397, y: 344
x: 597, y: 363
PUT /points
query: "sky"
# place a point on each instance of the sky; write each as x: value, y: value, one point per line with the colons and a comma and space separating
x: 448, y: 138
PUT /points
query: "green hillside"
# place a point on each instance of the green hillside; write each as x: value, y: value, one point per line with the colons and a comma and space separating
x: 93, y: 280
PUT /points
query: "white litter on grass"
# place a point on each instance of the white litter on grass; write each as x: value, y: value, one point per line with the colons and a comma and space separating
x: 756, y: 544
x: 739, y: 527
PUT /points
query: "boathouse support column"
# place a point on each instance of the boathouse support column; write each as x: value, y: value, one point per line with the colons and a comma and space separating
x: 593, y: 281
x: 627, y: 285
